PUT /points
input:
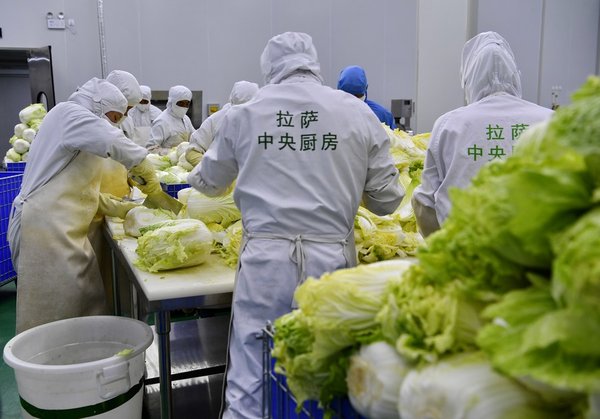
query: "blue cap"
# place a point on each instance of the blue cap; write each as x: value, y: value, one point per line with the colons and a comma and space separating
x: 353, y: 80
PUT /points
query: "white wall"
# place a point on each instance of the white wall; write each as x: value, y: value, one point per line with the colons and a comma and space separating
x: 208, y: 45
x: 569, y: 51
x: 442, y: 32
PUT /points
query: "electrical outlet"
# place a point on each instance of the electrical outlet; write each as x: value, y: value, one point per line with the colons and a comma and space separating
x: 56, y: 23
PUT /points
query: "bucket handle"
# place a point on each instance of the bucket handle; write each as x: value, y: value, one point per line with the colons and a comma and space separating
x: 113, y: 381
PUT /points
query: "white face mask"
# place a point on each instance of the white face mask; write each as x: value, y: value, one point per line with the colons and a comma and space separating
x: 179, y: 111
x: 143, y: 107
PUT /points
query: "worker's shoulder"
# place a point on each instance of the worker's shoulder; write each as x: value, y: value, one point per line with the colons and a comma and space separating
x: 67, y: 111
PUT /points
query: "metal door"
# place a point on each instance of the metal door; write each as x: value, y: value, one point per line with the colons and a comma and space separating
x: 39, y: 61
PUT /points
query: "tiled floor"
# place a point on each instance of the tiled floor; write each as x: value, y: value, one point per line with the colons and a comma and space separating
x: 196, y: 343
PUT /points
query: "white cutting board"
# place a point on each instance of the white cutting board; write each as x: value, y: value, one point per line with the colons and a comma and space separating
x: 211, y: 277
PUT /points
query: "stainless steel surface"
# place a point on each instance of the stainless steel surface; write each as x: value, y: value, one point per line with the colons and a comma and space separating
x: 192, y: 398
x: 41, y: 78
x: 162, y: 310
x: 196, y: 345
x: 402, y: 111
x: 103, y: 60
x: 160, y: 97
x: 35, y: 64
x: 163, y: 328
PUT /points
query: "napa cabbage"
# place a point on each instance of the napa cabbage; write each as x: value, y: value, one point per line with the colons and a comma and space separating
x: 159, y: 162
x: 32, y: 112
x: 426, y: 321
x: 335, y: 314
x: 220, y: 209
x: 374, y: 376
x: 173, y: 244
x: 466, y: 386
x: 140, y: 217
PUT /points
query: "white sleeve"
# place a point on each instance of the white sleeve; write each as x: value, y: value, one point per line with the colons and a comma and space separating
x: 94, y: 135
x: 431, y: 178
x: 218, y: 167
x: 159, y: 132
x: 383, y: 192
x: 202, y: 138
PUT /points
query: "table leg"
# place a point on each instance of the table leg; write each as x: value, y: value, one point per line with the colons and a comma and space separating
x: 115, y: 281
x: 162, y: 320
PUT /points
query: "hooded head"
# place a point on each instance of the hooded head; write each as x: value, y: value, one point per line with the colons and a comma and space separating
x: 289, y: 53
x: 127, y: 84
x: 146, y: 92
x: 99, y: 97
x: 488, y: 66
x: 242, y: 92
x: 353, y: 80
x: 177, y: 93
x: 147, y: 97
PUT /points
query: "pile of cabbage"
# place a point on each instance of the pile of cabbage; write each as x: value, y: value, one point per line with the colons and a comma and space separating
x: 499, y: 317
x: 395, y: 235
x: 167, y: 241
x: 24, y: 132
x: 173, y: 167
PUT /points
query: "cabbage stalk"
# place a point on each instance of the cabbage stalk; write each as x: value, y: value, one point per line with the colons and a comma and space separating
x: 173, y: 244
x: 140, y: 217
x: 312, y: 345
x: 466, y: 387
x: 374, y: 377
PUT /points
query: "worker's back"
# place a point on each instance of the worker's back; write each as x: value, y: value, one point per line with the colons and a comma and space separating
x: 303, y: 151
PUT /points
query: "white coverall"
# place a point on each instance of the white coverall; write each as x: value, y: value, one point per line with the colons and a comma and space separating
x: 172, y: 126
x: 304, y: 156
x: 48, y: 229
x: 202, y: 138
x: 114, y: 180
x: 142, y: 116
x: 485, y: 130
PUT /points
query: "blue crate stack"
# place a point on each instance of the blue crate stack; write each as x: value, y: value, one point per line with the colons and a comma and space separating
x: 173, y: 188
x: 16, y: 167
x: 10, y: 184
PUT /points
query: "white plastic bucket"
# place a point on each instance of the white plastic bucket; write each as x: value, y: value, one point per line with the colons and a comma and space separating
x: 73, y: 368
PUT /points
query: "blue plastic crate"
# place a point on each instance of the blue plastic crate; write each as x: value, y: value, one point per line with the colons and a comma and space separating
x: 10, y: 184
x: 15, y: 167
x: 279, y: 402
x: 173, y: 188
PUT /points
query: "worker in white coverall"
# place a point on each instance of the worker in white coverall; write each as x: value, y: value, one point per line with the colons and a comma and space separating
x: 60, y: 194
x: 114, y: 180
x: 143, y: 115
x: 304, y: 156
x: 172, y: 126
x: 485, y: 130
x: 202, y: 138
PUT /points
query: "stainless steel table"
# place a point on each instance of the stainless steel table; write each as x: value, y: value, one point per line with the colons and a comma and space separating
x: 207, y: 286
